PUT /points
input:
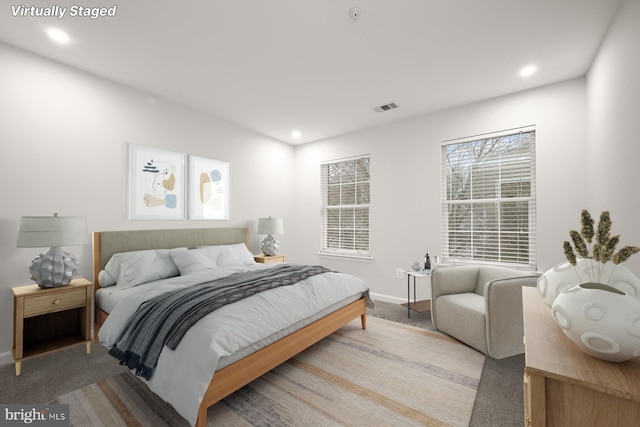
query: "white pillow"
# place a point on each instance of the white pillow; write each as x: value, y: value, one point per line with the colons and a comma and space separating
x: 105, y: 279
x: 243, y: 255
x: 230, y: 255
x: 194, y: 260
x: 134, y: 268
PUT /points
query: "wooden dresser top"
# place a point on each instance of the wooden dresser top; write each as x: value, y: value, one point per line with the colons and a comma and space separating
x: 548, y: 352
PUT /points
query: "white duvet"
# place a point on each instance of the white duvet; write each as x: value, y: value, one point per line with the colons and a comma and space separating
x: 229, y: 333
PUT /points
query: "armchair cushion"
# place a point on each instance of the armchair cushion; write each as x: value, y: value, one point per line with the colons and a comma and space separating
x: 468, y: 306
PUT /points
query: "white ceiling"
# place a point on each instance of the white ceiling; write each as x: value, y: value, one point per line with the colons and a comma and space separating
x: 279, y: 65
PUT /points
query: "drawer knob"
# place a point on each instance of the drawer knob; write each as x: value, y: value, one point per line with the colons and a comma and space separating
x: 56, y: 302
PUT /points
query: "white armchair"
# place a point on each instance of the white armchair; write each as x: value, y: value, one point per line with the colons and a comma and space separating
x: 481, y: 306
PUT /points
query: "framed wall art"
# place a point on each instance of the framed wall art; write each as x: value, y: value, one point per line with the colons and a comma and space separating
x: 209, y: 187
x: 156, y: 183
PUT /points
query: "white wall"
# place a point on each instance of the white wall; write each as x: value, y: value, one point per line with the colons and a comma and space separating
x: 63, y: 135
x: 405, y: 168
x: 613, y: 86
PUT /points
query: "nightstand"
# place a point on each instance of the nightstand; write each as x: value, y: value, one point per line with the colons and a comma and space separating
x: 264, y: 259
x: 46, y: 320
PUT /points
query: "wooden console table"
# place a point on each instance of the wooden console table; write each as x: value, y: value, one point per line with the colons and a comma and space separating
x: 564, y: 386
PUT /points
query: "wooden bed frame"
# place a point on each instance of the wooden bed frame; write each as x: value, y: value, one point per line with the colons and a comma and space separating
x: 242, y: 372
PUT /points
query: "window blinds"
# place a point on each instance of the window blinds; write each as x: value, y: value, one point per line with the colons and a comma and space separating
x: 345, y: 191
x: 488, y: 199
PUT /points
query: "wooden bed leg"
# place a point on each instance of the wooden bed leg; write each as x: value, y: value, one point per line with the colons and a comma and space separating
x: 201, y: 421
x: 363, y: 320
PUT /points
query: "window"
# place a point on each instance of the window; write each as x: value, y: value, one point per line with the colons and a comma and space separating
x: 488, y: 199
x: 345, y: 188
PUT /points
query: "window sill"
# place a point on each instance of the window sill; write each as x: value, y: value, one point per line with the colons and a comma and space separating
x: 458, y: 261
x: 349, y: 257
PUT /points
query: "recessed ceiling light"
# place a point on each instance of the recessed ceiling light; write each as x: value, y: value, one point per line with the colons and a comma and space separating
x: 528, y: 70
x: 296, y: 134
x: 58, y: 35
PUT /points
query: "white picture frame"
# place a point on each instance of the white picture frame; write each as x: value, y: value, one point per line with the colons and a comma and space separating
x: 156, y: 184
x: 209, y: 188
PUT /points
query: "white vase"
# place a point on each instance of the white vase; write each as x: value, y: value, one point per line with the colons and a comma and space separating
x: 564, y: 276
x: 602, y: 323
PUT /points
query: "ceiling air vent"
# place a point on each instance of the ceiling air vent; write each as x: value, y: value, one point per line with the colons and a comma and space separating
x: 386, y: 107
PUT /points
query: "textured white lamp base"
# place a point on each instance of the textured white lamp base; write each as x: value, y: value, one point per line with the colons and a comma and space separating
x: 53, y: 268
x: 270, y: 245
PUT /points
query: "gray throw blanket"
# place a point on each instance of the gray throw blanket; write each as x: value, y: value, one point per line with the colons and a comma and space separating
x: 166, y: 318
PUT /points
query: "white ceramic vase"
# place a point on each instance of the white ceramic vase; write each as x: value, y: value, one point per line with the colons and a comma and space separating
x: 603, y: 323
x: 564, y: 276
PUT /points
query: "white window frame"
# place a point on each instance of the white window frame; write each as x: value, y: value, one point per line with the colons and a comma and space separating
x: 351, y: 239
x: 494, y: 252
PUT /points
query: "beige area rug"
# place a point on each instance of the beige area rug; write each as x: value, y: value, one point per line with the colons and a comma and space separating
x: 389, y: 374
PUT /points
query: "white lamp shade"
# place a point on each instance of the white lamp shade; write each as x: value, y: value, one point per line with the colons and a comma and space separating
x: 270, y: 226
x: 52, y: 231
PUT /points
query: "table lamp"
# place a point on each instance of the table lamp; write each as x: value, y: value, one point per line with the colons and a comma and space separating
x: 269, y: 226
x: 55, y: 267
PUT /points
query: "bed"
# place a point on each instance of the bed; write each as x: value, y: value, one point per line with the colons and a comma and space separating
x: 199, y: 387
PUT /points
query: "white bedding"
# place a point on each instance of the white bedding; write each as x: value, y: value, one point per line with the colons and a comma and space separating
x: 229, y: 333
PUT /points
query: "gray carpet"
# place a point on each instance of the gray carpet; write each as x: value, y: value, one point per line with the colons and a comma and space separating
x: 499, y: 401
x: 49, y: 376
x: 500, y: 398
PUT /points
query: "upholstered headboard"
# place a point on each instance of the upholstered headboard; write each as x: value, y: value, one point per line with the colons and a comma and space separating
x: 107, y: 243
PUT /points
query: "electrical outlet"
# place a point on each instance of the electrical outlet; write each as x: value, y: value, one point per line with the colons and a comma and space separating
x: 399, y: 272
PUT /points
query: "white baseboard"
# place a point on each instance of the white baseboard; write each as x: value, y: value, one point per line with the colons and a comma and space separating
x: 387, y: 298
x: 6, y: 358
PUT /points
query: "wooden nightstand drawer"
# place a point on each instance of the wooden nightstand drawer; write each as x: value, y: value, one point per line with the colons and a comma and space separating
x: 50, y: 303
